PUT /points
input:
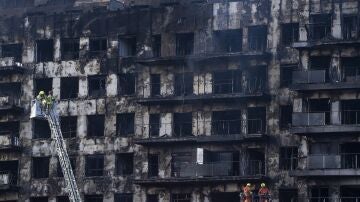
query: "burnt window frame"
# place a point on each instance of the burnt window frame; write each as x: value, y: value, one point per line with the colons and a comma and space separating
x: 345, y: 32
x: 154, y: 124
x: 282, y: 123
x: 100, y: 81
x: 224, y: 40
x: 183, y: 45
x: 65, y: 84
x: 41, y: 57
x: 92, y: 197
x: 67, y: 125
x: 18, y: 58
x: 73, y: 45
x: 155, y: 86
x: 102, y: 46
x: 183, y: 84
x: 92, y: 121
x: 285, y: 79
x: 99, y: 169
x: 235, y: 83
x: 288, y: 158
x: 289, y: 33
x: 127, y: 84
x: 39, y: 199
x: 156, y: 45
x: 257, y: 116
x: 316, y: 24
x: 260, y: 39
x: 123, y: 197
x: 128, y: 121
x: 130, y: 49
x: 124, y: 164
x: 40, y: 170
x: 153, y: 168
x: 46, y: 82
x: 180, y: 197
x: 223, y: 122
x: 180, y: 123
x: 41, y: 129
x: 351, y: 73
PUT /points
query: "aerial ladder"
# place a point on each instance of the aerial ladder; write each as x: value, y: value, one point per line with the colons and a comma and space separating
x: 45, y: 107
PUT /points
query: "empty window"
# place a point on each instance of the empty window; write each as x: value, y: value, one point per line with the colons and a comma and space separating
x: 184, y: 44
x: 97, y: 46
x: 12, y: 50
x: 288, y: 158
x: 319, y: 106
x: 320, y: 26
x: 184, y: 84
x: 351, y: 69
x: 152, y: 198
x: 320, y: 193
x: 73, y: 167
x: 320, y: 148
x: 44, y: 84
x: 69, y: 87
x: 257, y: 36
x: 13, y: 3
x: 154, y: 125
x: 289, y: 33
x: 94, y: 165
x: 256, y: 120
x: 93, y: 198
x: 182, y: 124
x: 178, y: 161
x: 97, y: 86
x: 125, y: 124
x: 12, y: 89
x: 286, y: 74
x: 180, y: 197
x: 321, y: 63
x: 44, y: 50
x: 350, y: 111
x: 227, y: 82
x: 123, y: 197
x: 62, y: 199
x: 11, y: 168
x: 124, y: 164
x: 70, y: 49
x: 285, y: 116
x: 127, y: 84
x: 288, y: 195
x: 95, y: 125
x: 12, y: 127
x: 127, y: 46
x: 155, y: 84
x: 156, y: 45
x: 153, y: 161
x: 41, y: 129
x: 350, y: 153
x: 68, y: 126
x: 228, y: 41
x: 226, y: 123
x: 40, y: 167
x: 350, y: 27
x: 39, y: 199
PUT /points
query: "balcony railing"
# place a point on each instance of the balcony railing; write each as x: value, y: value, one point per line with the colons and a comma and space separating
x: 7, y: 140
x: 9, y: 102
x: 310, y: 76
x: 334, y: 161
x: 343, y: 117
x: 309, y: 118
x: 328, y: 199
x: 7, y: 179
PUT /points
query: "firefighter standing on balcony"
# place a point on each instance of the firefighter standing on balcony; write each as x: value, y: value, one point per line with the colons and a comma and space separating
x: 247, y: 192
x: 264, y: 193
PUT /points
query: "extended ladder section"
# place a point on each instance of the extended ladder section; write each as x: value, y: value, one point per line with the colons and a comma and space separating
x: 53, y: 119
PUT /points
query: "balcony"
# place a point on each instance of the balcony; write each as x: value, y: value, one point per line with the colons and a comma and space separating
x: 220, y: 131
x: 8, y: 182
x: 10, y: 104
x: 8, y: 66
x: 9, y: 141
x: 341, y: 165
x: 328, y: 199
x: 210, y: 172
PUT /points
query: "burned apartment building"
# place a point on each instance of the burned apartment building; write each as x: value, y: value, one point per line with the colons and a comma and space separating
x: 182, y: 100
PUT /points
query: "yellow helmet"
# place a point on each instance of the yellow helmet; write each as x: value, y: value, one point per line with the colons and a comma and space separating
x: 262, y: 185
x: 42, y: 93
x: 248, y: 184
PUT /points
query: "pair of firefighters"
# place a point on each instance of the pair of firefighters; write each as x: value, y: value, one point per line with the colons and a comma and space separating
x: 264, y: 193
x: 46, y: 100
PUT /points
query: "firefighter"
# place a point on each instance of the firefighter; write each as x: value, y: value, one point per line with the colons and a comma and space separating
x: 247, y: 192
x: 264, y: 193
x: 41, y: 96
x: 49, y: 100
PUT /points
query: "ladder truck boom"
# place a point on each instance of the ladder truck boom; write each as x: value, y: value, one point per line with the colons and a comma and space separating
x: 45, y: 107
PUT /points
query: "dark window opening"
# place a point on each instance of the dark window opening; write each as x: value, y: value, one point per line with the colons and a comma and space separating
x: 153, y: 161
x: 286, y: 72
x: 351, y: 69
x: 256, y: 163
x: 226, y: 123
x: 42, y: 85
x: 184, y: 84
x: 178, y: 161
x: 225, y: 196
x: 257, y: 37
x: 184, y: 44
x: 93, y: 198
x: 285, y: 116
x: 154, y: 125
x: 182, y: 124
x: 44, y: 50
x: 289, y: 33
x: 39, y: 199
x: 349, y: 193
x: 227, y: 161
x: 319, y: 194
x: 62, y: 199
x: 97, y: 86
x: 124, y: 164
x: 127, y: 83
x: 97, y: 46
x: 12, y: 50
x: 10, y: 168
x: 288, y: 158
x: 152, y: 198
x: 180, y: 197
x: 320, y: 148
x: 320, y: 106
x: 15, y: 3
x: 60, y: 2
x: 288, y: 195
x: 70, y: 49
x: 40, y: 167
x: 69, y: 87
x: 350, y: 155
x: 156, y: 45
x: 256, y: 79
x: 41, y: 129
x: 350, y: 27
x: 125, y: 124
x: 321, y: 63
x: 12, y: 89
x: 256, y: 120
x: 59, y: 171
x: 95, y: 125
x: 155, y: 85
x: 350, y: 113
x: 127, y: 46
x: 94, y: 165
x: 10, y: 128
x: 227, y: 82
x: 229, y: 41
x: 123, y: 197
x: 320, y: 26
x: 68, y: 126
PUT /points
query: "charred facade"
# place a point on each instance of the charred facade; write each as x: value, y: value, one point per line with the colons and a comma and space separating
x: 169, y: 100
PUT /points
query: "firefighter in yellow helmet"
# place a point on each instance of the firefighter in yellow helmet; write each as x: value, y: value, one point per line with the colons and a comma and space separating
x: 264, y: 193
x: 247, y: 192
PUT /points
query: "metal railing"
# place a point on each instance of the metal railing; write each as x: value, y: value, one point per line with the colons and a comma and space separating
x: 343, y: 117
x: 310, y: 76
x: 350, y: 116
x: 309, y: 118
x: 351, y: 73
x: 9, y: 139
x: 328, y: 199
x: 334, y: 161
x: 7, y: 178
x: 350, y: 160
